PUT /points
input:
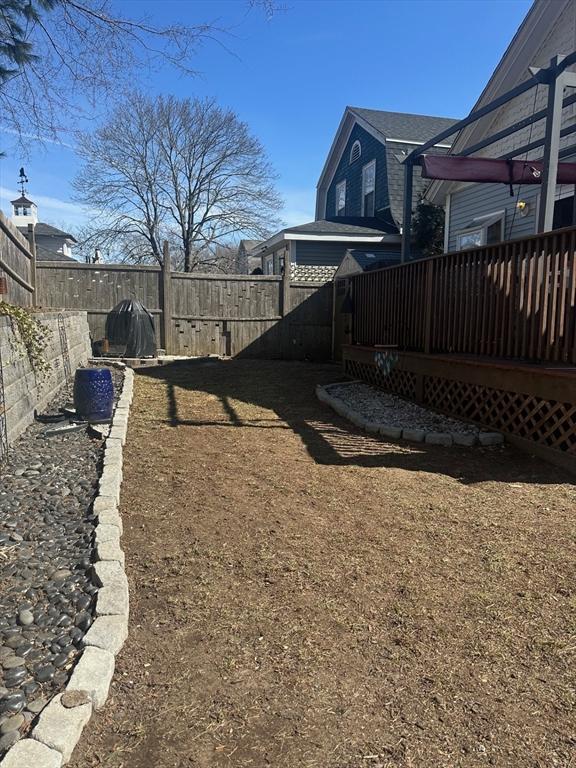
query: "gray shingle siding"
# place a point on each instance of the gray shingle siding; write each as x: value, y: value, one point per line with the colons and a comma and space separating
x: 396, y: 152
x: 404, y: 125
x: 332, y: 253
x: 372, y: 149
x: 482, y: 199
x: 316, y: 254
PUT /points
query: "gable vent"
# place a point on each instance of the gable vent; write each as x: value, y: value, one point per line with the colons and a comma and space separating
x: 355, y: 152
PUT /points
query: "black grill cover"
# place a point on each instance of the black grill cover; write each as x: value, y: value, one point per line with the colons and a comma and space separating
x: 130, y: 330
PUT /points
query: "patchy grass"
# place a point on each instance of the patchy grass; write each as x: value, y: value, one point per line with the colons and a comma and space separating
x: 306, y: 596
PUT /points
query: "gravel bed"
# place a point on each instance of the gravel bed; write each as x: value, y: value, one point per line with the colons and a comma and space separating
x: 375, y: 405
x: 46, y: 547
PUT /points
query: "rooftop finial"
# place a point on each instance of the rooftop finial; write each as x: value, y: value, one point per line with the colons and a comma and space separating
x: 23, y: 181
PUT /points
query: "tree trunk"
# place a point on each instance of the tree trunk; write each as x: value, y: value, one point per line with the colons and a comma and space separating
x: 187, y: 264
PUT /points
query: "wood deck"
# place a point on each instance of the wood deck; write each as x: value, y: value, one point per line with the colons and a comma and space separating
x: 534, y: 405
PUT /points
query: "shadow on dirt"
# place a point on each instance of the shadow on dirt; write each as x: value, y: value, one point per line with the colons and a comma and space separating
x: 287, y: 389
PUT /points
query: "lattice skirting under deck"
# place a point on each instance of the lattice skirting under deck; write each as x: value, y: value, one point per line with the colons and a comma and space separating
x: 549, y: 423
x: 400, y: 382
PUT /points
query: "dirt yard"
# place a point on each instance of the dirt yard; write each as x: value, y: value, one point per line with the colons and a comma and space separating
x: 305, y: 596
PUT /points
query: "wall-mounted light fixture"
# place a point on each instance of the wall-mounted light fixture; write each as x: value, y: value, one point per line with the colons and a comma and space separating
x: 523, y: 207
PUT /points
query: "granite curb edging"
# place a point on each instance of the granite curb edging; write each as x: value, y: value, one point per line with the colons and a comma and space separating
x: 392, y: 432
x: 60, y: 724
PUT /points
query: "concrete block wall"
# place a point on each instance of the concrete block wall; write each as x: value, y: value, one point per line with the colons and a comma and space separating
x: 22, y: 391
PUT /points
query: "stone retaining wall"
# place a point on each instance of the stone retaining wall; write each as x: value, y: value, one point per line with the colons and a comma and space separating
x: 22, y: 392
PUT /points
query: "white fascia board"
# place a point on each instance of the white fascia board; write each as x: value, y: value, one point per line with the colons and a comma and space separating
x: 285, y: 237
x: 346, y: 238
x: 416, y: 143
x: 269, y: 244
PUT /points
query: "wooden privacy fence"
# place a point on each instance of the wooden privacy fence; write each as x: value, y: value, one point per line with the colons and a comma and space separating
x: 200, y: 314
x: 17, y: 264
x: 515, y: 299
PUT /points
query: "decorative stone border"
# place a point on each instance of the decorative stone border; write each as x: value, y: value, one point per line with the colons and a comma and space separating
x: 60, y: 724
x: 396, y: 433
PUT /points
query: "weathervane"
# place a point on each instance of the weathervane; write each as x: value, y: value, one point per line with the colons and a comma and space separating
x: 23, y: 181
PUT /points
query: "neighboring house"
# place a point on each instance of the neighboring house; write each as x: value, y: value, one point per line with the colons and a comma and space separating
x: 52, y: 244
x: 363, y: 173
x: 315, y: 250
x: 246, y: 262
x: 479, y: 214
x: 359, y: 194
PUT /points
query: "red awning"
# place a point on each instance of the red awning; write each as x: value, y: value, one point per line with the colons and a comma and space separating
x: 483, y: 169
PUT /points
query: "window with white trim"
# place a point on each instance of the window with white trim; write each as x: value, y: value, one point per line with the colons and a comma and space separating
x: 483, y: 230
x: 269, y: 266
x: 341, y: 198
x: 368, y: 187
x: 355, y: 151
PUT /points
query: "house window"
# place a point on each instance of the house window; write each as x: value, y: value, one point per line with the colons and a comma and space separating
x: 341, y: 198
x: 269, y: 266
x: 563, y: 213
x: 355, y: 151
x: 483, y: 230
x: 368, y: 183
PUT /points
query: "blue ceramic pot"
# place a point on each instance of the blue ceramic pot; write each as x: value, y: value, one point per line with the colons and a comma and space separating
x: 93, y: 394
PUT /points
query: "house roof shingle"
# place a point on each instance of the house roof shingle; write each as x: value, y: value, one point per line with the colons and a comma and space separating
x: 22, y: 200
x: 43, y: 254
x: 344, y: 225
x: 372, y: 259
x: 50, y: 231
x: 402, y: 125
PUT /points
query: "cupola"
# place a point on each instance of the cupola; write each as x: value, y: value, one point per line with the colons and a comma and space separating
x: 24, y: 211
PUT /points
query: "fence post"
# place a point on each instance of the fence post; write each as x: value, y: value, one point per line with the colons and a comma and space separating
x: 32, y: 243
x: 286, y: 303
x: 166, y: 299
x: 428, y: 295
x: 286, y: 281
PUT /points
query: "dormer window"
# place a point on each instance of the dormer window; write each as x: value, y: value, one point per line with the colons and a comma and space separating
x: 341, y: 198
x: 355, y: 152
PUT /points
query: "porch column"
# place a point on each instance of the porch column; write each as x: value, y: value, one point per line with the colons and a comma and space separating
x: 556, y: 85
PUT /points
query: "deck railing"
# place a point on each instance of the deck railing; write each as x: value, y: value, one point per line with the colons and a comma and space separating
x: 515, y: 299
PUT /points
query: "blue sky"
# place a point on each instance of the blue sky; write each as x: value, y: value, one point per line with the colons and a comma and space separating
x: 290, y: 78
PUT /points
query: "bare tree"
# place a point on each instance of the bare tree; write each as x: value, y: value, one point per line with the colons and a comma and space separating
x: 57, y: 55
x: 183, y: 170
